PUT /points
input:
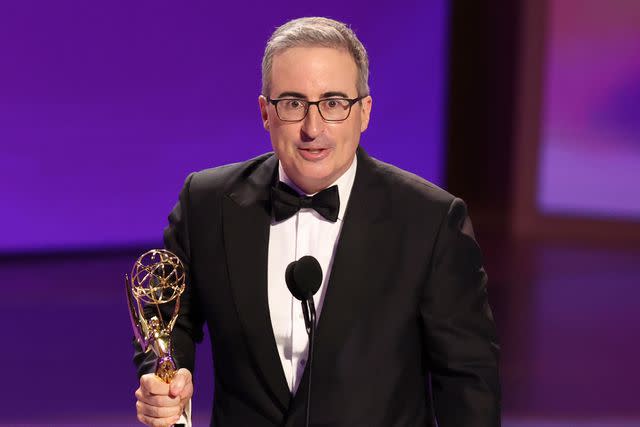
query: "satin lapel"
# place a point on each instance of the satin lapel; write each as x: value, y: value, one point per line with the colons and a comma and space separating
x: 361, y: 246
x: 246, y: 221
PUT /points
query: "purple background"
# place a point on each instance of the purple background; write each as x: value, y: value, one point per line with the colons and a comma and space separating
x: 590, y: 148
x: 106, y: 106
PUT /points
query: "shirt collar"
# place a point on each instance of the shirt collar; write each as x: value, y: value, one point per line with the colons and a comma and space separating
x: 344, y: 183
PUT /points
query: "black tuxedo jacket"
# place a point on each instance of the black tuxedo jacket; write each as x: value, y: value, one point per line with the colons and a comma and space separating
x: 405, y: 329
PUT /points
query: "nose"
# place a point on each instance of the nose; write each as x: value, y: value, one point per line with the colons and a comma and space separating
x: 312, y: 124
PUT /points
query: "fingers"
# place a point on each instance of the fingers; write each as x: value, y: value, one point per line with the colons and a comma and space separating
x: 158, y: 412
x: 153, y: 415
x: 157, y: 422
x: 181, y: 384
x: 156, y: 400
x: 151, y: 384
x: 186, y: 392
x: 161, y: 404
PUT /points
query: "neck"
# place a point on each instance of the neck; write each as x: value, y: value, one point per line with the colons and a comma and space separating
x: 313, y: 187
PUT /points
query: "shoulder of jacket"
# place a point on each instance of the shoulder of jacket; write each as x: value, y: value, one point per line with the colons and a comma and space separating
x: 221, y: 177
x: 409, y: 185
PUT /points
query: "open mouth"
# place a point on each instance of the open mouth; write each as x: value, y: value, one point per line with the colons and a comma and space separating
x: 313, y: 153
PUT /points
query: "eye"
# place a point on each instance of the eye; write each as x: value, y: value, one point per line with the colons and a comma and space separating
x: 293, y: 104
x: 337, y: 103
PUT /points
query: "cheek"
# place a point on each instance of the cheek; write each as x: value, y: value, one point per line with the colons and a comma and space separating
x: 282, y: 141
x: 350, y: 137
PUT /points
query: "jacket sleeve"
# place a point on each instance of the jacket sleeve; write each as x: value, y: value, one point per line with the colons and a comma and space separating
x: 188, y: 327
x: 461, y: 348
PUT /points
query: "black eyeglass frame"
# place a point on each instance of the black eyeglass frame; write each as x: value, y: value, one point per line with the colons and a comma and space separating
x: 317, y: 104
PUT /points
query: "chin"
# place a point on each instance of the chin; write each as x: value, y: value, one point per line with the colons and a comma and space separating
x: 313, y: 174
x: 313, y: 179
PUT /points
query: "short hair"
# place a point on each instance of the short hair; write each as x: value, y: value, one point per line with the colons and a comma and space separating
x: 316, y: 31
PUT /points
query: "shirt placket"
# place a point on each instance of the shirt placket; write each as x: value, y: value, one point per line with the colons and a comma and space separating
x: 299, y: 333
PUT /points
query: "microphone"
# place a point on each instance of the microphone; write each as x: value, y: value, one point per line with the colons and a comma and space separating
x: 303, y: 279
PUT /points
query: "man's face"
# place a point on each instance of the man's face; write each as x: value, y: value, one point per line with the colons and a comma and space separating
x: 314, y: 152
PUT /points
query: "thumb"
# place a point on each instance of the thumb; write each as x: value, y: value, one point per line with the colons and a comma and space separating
x: 179, y: 381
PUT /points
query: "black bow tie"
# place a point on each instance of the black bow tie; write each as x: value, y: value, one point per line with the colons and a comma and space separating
x: 285, y: 202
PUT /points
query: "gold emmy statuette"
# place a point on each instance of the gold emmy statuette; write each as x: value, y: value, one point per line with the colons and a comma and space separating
x: 157, y: 278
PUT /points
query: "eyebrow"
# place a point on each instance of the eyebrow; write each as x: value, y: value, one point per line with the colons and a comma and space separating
x: 303, y: 96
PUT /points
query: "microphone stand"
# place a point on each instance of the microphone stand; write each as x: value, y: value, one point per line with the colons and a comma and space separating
x: 309, y: 312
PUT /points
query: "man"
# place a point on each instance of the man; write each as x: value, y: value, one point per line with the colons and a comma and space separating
x: 404, y: 330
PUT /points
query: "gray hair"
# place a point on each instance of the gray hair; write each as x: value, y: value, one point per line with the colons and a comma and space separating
x: 316, y: 31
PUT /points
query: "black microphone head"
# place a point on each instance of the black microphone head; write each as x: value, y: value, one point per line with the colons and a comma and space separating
x: 304, y: 277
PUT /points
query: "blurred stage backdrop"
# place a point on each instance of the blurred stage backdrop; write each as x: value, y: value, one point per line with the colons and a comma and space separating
x: 105, y: 107
x: 590, y: 152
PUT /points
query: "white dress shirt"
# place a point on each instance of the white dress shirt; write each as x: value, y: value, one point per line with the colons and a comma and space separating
x: 305, y: 233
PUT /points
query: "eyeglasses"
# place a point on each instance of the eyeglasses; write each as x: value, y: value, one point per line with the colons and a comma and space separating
x: 331, y: 109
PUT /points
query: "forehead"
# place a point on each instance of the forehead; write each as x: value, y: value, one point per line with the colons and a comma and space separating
x: 313, y: 71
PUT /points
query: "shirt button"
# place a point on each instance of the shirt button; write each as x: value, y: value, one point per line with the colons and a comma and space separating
x: 303, y: 361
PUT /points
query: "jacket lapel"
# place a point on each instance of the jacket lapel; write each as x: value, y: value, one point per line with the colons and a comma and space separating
x: 246, y: 221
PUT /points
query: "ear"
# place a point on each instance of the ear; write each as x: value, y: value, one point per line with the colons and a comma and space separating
x: 264, y: 111
x: 365, y: 113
